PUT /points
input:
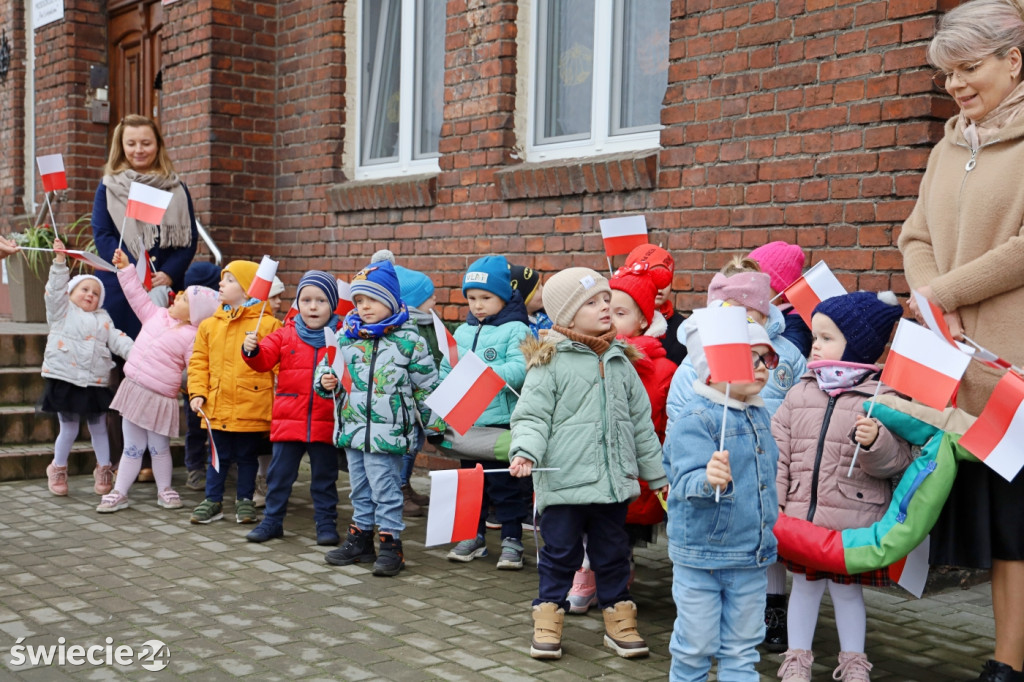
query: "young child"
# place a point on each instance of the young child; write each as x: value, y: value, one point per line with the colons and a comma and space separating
x: 204, y: 274
x: 235, y: 398
x: 784, y: 263
x: 76, y: 369
x: 584, y: 413
x: 662, y: 267
x: 527, y: 282
x: 720, y: 550
x: 148, y: 397
x: 496, y: 325
x: 392, y: 374
x: 259, y: 496
x: 818, y: 428
x: 302, y: 422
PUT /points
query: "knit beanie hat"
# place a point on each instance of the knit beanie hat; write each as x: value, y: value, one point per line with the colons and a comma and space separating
x: 202, y: 303
x: 757, y: 334
x: 78, y: 279
x: 204, y: 273
x: 659, y: 260
x: 415, y: 286
x: 567, y: 291
x: 749, y: 289
x: 383, y: 254
x: 783, y: 262
x: 640, y: 287
x: 276, y: 288
x: 379, y: 282
x: 243, y: 270
x: 489, y: 273
x: 322, y: 281
x: 524, y: 280
x: 866, y: 320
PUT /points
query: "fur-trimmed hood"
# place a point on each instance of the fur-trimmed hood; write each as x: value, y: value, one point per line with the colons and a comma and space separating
x: 539, y: 352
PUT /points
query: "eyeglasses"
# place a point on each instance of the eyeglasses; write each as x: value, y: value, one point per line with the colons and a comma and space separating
x: 965, y: 73
x: 770, y: 360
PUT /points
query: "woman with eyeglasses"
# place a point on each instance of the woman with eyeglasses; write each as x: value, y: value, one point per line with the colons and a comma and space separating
x: 963, y: 249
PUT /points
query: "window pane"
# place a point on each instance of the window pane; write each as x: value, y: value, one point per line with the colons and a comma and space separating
x: 566, y: 69
x: 429, y: 102
x: 640, y: 75
x: 380, y: 81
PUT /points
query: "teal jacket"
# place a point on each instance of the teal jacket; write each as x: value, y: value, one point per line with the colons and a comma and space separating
x: 588, y: 416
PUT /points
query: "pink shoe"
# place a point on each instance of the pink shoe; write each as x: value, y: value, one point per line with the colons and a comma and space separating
x: 112, y: 502
x: 796, y: 666
x: 103, y: 477
x: 583, y: 594
x: 57, y: 479
x: 168, y: 499
x: 853, y: 667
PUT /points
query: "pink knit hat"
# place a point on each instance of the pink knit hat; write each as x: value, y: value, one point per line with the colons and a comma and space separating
x: 783, y: 262
x: 202, y: 303
x: 749, y: 289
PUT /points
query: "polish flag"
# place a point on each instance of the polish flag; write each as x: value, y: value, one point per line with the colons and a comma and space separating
x: 445, y: 341
x: 911, y: 571
x: 90, y: 259
x: 933, y: 317
x: 345, y: 303
x: 997, y: 437
x: 336, y: 359
x: 466, y: 392
x: 51, y: 167
x: 455, y: 499
x: 816, y: 285
x: 986, y: 357
x: 923, y: 366
x: 622, y: 235
x: 144, y: 268
x: 214, y: 457
x: 723, y: 334
x: 146, y: 203
x: 264, y: 279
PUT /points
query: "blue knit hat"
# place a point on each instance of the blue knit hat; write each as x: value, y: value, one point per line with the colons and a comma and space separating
x: 379, y: 282
x: 866, y: 320
x: 416, y: 287
x: 490, y: 273
x: 322, y: 281
x: 202, y: 273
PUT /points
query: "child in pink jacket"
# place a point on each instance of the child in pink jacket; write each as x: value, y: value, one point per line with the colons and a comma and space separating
x: 820, y: 424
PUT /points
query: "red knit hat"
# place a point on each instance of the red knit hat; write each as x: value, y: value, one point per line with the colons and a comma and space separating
x: 659, y: 260
x: 640, y: 287
x: 783, y: 262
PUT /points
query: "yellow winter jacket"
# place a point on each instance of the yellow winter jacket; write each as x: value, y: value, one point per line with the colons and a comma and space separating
x: 237, y: 398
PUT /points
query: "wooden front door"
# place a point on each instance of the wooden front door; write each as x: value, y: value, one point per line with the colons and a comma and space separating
x: 135, y: 55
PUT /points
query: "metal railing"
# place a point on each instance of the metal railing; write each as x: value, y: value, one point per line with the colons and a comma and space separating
x: 210, y: 244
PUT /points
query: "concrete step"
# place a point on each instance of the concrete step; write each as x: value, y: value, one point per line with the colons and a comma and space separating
x: 20, y: 385
x: 22, y: 424
x: 28, y: 461
x: 22, y: 350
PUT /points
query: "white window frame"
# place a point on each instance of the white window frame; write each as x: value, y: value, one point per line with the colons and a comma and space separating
x: 600, y: 140
x: 407, y: 116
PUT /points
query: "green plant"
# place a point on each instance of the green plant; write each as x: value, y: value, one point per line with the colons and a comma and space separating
x: 76, y: 235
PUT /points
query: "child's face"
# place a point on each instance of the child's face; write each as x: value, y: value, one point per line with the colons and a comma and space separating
x: 537, y: 301
x: 179, y: 309
x: 829, y: 343
x: 231, y: 292
x: 428, y: 304
x: 314, y: 307
x: 594, y: 317
x: 274, y: 303
x: 626, y: 315
x: 86, y: 295
x: 370, y: 310
x: 483, y: 303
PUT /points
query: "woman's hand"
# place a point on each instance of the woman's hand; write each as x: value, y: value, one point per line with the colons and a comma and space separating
x: 58, y: 247
x: 161, y: 279
x: 865, y: 432
x: 250, y: 344
x: 120, y: 260
x: 718, y: 472
x: 328, y: 382
x: 7, y: 247
x: 197, y: 403
x: 520, y: 467
x: 952, y: 317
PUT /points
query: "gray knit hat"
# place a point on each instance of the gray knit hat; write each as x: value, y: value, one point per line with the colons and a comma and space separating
x: 565, y: 293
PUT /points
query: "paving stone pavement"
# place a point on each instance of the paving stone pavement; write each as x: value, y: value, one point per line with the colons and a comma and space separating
x: 228, y: 609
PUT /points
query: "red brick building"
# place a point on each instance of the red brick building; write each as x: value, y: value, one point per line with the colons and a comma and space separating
x: 322, y: 131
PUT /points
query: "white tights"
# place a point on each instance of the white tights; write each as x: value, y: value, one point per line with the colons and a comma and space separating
x: 69, y: 424
x: 136, y: 441
x: 802, y: 616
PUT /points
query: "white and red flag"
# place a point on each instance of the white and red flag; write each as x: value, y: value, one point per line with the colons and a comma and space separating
x: 264, y: 279
x: 911, y: 571
x: 345, y: 303
x: 336, y: 359
x: 51, y: 167
x: 816, y: 285
x: 455, y: 499
x: 146, y: 203
x: 997, y: 437
x: 622, y: 235
x: 723, y: 334
x: 90, y: 259
x: 933, y: 317
x: 923, y: 366
x: 214, y: 457
x: 445, y: 341
x: 466, y: 392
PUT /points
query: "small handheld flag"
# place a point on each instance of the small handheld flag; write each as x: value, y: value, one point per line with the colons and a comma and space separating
x: 214, y: 458
x: 345, y: 303
x: 622, y: 235
x: 51, y: 168
x: 723, y: 334
x: 336, y: 360
x: 455, y: 499
x: 264, y: 279
x: 997, y: 437
x: 146, y: 203
x: 933, y: 317
x: 911, y: 572
x: 465, y: 393
x: 816, y: 285
x: 923, y: 366
x: 445, y: 341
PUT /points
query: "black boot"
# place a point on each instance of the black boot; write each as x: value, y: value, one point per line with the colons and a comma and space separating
x: 994, y: 671
x: 390, y: 561
x: 776, y: 638
x: 358, y: 548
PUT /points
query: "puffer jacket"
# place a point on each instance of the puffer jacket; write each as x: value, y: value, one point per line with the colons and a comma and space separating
x: 391, y: 377
x: 238, y: 398
x: 656, y: 371
x: 496, y: 340
x: 299, y: 414
x: 813, y: 431
x: 163, y: 346
x: 79, y: 345
x: 590, y: 418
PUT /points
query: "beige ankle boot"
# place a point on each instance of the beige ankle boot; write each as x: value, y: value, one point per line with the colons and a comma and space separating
x: 547, y: 631
x: 620, y: 631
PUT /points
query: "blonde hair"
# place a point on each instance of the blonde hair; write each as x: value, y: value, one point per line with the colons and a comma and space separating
x: 118, y: 162
x: 740, y: 264
x: 975, y: 30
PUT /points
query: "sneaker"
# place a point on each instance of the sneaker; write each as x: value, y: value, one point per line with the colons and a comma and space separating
x: 358, y: 548
x: 57, y: 479
x: 245, y: 511
x: 146, y: 475
x: 796, y: 666
x: 853, y: 667
x: 196, y: 480
x: 583, y: 594
x: 994, y: 671
x: 467, y: 550
x: 103, y: 479
x: 390, y: 561
x: 168, y: 498
x: 492, y: 521
x: 207, y: 511
x: 511, y: 554
x: 259, y: 497
x: 112, y: 502
x: 776, y: 636
x: 264, y: 532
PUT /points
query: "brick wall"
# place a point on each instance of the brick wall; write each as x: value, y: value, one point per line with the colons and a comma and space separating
x: 12, y: 117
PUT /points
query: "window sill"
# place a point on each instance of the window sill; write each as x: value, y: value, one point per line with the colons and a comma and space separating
x: 365, y: 195
x: 590, y: 175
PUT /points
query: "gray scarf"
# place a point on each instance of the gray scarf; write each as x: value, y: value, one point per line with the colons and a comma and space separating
x: 175, y: 229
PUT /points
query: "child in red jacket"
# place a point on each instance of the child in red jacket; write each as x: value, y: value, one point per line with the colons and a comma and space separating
x: 302, y: 421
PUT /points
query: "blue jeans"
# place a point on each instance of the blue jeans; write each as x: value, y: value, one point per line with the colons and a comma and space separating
x: 376, y: 491
x: 323, y: 484
x: 241, y: 448
x: 720, y: 614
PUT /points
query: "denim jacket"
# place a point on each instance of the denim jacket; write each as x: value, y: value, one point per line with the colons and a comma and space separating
x: 735, y: 532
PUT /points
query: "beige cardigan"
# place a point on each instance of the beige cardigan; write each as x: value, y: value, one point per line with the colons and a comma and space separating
x: 964, y: 238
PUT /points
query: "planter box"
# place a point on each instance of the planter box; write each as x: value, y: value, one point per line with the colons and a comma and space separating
x: 26, y: 290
